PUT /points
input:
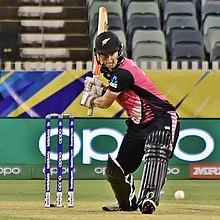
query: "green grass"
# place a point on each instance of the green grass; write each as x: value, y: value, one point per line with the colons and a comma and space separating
x: 24, y: 199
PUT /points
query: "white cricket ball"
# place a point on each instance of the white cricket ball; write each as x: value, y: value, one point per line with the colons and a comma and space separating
x: 179, y: 194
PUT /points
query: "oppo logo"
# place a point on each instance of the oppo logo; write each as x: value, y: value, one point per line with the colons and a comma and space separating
x: 83, y: 144
x: 53, y: 170
x: 9, y: 170
x: 100, y: 170
x: 209, y: 145
x: 88, y: 153
x: 173, y: 171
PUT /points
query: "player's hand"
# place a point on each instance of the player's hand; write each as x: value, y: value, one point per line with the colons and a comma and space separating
x: 87, y: 99
x: 98, y: 91
x: 89, y: 81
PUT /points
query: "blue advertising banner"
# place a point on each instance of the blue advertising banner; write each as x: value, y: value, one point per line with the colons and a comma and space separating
x: 29, y: 94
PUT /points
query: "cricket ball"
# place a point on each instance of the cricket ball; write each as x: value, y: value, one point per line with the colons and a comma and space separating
x: 179, y: 194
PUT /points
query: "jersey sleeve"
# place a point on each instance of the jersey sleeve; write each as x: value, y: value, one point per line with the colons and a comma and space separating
x: 121, y: 80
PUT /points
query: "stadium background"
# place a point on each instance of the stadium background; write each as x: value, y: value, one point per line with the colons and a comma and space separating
x: 34, y: 83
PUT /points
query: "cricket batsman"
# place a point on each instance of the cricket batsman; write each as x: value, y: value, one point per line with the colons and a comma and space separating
x: 152, y: 126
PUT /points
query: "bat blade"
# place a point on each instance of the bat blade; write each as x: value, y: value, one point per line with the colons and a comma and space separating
x: 102, y: 27
x: 103, y: 20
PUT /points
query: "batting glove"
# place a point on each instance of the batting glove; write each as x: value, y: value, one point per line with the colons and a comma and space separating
x: 89, y: 81
x: 98, y: 91
x: 87, y: 99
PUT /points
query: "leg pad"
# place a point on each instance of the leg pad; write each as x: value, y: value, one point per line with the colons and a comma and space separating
x: 123, y: 186
x: 158, y: 148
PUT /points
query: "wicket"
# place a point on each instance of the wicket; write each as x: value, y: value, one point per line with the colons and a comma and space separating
x: 59, y: 195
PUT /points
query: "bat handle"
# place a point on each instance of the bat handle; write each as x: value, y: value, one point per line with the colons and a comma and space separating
x: 90, y: 111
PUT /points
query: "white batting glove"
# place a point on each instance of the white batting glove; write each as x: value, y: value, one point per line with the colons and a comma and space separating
x: 87, y: 99
x: 88, y: 88
x: 98, y: 91
x: 93, y: 81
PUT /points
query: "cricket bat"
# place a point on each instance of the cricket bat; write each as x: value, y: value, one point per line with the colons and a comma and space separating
x: 102, y: 27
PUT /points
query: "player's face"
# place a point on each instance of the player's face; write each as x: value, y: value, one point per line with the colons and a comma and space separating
x: 110, y: 59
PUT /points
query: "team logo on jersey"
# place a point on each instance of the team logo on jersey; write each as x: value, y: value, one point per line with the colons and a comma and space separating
x: 105, y: 41
x: 167, y: 127
x: 114, y: 82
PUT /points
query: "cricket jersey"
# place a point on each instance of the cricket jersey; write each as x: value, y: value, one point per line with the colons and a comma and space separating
x: 139, y: 97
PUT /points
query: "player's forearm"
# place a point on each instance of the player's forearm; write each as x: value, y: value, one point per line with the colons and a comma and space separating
x: 106, y: 100
x: 101, y: 103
